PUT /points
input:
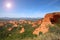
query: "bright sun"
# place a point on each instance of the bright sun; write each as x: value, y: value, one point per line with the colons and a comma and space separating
x: 8, y: 5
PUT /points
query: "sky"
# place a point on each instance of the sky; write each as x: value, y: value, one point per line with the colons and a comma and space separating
x: 28, y: 8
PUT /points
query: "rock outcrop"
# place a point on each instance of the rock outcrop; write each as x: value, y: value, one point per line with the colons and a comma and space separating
x: 22, y: 30
x: 49, y: 19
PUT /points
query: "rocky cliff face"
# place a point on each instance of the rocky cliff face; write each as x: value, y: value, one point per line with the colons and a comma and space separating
x: 49, y: 19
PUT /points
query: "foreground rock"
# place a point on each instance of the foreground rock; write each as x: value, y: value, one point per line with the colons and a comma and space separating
x: 49, y: 19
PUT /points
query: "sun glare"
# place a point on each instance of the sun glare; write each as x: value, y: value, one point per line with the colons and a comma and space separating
x: 8, y: 5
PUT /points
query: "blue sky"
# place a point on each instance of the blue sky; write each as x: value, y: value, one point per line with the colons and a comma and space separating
x: 29, y: 8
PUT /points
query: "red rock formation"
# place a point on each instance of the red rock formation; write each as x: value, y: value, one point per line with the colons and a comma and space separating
x: 35, y: 23
x: 9, y: 29
x: 22, y: 30
x: 49, y: 19
x: 2, y: 23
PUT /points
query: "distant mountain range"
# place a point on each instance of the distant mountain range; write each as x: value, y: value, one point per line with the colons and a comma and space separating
x: 22, y: 18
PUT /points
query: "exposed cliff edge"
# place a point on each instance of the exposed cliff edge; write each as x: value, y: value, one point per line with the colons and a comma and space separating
x: 49, y: 19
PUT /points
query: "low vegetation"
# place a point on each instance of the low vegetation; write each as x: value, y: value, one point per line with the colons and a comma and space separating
x: 53, y: 34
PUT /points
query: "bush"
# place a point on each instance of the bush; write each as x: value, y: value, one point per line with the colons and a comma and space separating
x: 55, y: 29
